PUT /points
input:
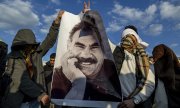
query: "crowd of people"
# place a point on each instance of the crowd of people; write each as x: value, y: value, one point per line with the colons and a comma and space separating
x: 144, y: 81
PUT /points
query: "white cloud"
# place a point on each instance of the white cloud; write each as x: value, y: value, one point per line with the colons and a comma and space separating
x: 113, y: 27
x: 174, y: 45
x: 128, y: 15
x: 177, y: 26
x: 79, y: 1
x: 168, y: 10
x: 47, y: 19
x: 11, y: 32
x: 17, y: 13
x: 134, y: 14
x: 155, y: 29
x: 56, y: 2
x: 178, y: 55
x: 44, y: 30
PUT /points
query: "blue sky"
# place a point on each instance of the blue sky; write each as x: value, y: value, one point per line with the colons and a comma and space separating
x: 158, y: 21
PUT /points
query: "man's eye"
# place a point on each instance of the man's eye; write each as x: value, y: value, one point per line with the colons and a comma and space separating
x: 79, y: 46
x: 94, y: 47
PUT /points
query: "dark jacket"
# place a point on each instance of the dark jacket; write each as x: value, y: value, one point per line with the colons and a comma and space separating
x: 167, y: 68
x: 104, y: 87
x: 3, y: 54
x: 48, y: 71
x: 22, y: 88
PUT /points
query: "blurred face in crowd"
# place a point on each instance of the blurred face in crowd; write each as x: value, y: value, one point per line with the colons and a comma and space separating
x: 52, y: 60
x: 86, y: 48
x: 30, y: 49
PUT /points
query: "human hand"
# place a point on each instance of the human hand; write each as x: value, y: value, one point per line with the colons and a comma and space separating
x: 45, y: 99
x: 127, y: 104
x: 58, y: 18
x: 86, y: 7
x: 151, y: 61
x: 69, y: 68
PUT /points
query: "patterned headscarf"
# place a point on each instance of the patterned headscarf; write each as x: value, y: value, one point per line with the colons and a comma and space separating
x: 130, y: 43
x: 27, y: 54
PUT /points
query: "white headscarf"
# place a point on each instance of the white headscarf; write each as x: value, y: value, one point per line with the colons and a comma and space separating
x: 131, y: 31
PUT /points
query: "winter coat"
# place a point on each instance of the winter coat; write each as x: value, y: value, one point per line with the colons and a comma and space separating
x: 167, y: 69
x: 48, y: 71
x: 3, y: 54
x: 23, y: 88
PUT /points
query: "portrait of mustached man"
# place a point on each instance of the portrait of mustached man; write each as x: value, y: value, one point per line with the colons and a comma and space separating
x: 85, y: 73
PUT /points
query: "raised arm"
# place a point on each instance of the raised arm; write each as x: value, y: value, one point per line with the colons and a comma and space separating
x: 52, y: 35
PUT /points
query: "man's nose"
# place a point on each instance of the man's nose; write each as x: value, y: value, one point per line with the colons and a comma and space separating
x: 86, y: 53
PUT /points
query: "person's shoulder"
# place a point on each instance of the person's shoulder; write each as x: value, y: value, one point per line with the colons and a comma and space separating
x: 46, y: 66
x: 3, y: 44
x: 118, y: 52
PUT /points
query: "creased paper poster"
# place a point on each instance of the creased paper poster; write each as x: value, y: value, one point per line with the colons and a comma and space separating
x: 84, y: 66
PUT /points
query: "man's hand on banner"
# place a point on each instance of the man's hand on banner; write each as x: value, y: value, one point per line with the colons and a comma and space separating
x: 45, y: 100
x: 69, y: 67
x: 127, y: 104
x: 59, y: 16
x: 86, y: 7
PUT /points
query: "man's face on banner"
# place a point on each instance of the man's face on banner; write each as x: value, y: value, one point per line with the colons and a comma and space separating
x: 88, y: 52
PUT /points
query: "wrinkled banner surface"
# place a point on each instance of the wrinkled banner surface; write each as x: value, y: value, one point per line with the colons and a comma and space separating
x: 84, y: 68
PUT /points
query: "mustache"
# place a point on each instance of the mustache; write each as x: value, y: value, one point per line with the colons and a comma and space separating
x: 91, y: 60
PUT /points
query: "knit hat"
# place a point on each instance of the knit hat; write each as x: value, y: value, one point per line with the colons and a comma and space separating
x: 131, y: 31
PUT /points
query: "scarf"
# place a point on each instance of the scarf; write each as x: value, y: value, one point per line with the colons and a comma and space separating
x: 28, y: 60
x: 131, y: 44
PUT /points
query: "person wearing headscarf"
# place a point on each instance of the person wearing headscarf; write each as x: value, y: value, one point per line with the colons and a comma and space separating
x: 132, y: 63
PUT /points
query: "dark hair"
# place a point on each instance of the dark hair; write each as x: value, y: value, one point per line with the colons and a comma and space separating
x: 53, y: 55
x: 86, y: 26
x: 131, y: 27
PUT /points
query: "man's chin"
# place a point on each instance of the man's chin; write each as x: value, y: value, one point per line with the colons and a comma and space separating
x: 87, y: 72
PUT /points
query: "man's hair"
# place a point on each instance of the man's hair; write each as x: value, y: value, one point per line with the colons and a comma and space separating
x: 86, y: 27
x: 131, y: 27
x: 53, y: 55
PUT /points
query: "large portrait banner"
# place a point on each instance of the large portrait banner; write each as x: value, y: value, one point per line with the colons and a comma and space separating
x: 84, y: 73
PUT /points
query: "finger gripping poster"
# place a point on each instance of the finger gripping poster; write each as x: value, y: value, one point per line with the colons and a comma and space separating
x: 84, y: 68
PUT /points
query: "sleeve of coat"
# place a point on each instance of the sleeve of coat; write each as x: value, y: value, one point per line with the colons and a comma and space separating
x: 148, y: 88
x: 50, y: 38
x: 60, y: 85
x: 29, y: 87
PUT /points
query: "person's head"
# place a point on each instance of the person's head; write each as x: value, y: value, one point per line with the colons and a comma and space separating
x: 130, y: 29
x: 25, y: 40
x: 85, y: 44
x: 52, y: 59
